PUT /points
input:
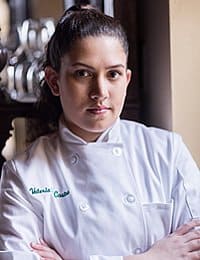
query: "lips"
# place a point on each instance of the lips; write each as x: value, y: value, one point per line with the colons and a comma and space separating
x: 98, y: 109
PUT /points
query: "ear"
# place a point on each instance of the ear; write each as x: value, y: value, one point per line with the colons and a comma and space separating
x: 128, y: 76
x: 51, y: 77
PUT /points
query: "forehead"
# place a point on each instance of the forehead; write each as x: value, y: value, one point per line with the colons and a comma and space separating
x: 96, y: 47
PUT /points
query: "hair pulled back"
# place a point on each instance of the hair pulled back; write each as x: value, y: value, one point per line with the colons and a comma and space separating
x: 77, y: 23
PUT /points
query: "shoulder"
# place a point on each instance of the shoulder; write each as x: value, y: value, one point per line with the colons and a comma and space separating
x: 33, y: 159
x: 145, y: 133
x: 39, y: 147
x: 151, y: 142
x: 157, y: 143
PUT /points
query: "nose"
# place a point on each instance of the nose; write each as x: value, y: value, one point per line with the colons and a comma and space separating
x: 99, y: 90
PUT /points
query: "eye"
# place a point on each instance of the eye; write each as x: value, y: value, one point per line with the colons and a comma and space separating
x: 83, y: 73
x: 114, y: 74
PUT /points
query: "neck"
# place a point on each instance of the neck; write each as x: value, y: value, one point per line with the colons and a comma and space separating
x: 87, y: 136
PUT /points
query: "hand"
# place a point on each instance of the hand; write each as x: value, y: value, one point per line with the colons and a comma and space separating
x: 44, y: 251
x: 184, y: 243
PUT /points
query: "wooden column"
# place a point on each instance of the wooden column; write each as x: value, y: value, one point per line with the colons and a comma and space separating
x: 126, y: 12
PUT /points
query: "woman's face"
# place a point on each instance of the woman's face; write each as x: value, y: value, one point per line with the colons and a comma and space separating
x: 92, y: 85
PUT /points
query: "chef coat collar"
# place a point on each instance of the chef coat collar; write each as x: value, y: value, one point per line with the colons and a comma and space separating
x: 111, y: 135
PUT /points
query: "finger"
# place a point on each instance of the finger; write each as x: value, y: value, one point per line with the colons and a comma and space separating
x: 182, y: 230
x: 41, y: 248
x: 45, y: 254
x: 43, y: 242
x: 38, y: 246
x: 194, y: 255
x: 44, y: 258
x: 193, y: 234
x: 194, y: 245
x: 45, y: 251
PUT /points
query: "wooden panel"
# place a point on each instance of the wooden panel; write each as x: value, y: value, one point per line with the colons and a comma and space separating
x: 46, y: 8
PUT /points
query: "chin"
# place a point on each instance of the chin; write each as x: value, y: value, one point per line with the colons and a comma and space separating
x: 99, y: 128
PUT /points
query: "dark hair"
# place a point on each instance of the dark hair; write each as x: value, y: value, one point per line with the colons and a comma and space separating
x: 78, y: 22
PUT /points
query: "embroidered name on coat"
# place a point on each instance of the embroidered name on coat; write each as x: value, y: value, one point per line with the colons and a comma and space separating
x: 60, y: 195
x: 34, y: 190
x: 55, y: 193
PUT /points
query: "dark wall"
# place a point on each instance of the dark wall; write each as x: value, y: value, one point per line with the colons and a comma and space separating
x: 154, y: 57
x: 127, y: 13
x: 147, y: 26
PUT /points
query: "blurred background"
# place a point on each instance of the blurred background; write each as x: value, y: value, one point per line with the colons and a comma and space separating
x: 164, y: 57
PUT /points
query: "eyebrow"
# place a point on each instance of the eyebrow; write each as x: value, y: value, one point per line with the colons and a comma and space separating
x: 90, y: 67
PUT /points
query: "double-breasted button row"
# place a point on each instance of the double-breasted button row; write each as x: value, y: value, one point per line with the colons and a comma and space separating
x: 117, y: 151
x: 128, y: 199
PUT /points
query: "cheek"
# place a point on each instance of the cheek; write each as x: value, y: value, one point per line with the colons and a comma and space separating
x: 73, y: 97
x: 119, y: 95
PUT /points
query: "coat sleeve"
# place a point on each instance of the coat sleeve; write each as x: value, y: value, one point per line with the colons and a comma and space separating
x: 186, y: 191
x: 20, y: 218
x: 18, y: 255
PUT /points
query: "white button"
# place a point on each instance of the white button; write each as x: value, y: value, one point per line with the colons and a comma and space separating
x: 84, y: 206
x: 74, y: 159
x: 138, y: 251
x: 129, y: 199
x: 117, y: 151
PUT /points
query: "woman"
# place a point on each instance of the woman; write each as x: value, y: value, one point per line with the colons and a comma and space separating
x: 98, y: 187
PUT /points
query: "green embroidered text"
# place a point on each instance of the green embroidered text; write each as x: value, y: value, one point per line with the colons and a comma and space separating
x: 55, y: 193
x: 34, y: 190
x: 60, y: 195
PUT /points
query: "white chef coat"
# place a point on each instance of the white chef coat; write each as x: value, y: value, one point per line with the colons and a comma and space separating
x: 100, y: 200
